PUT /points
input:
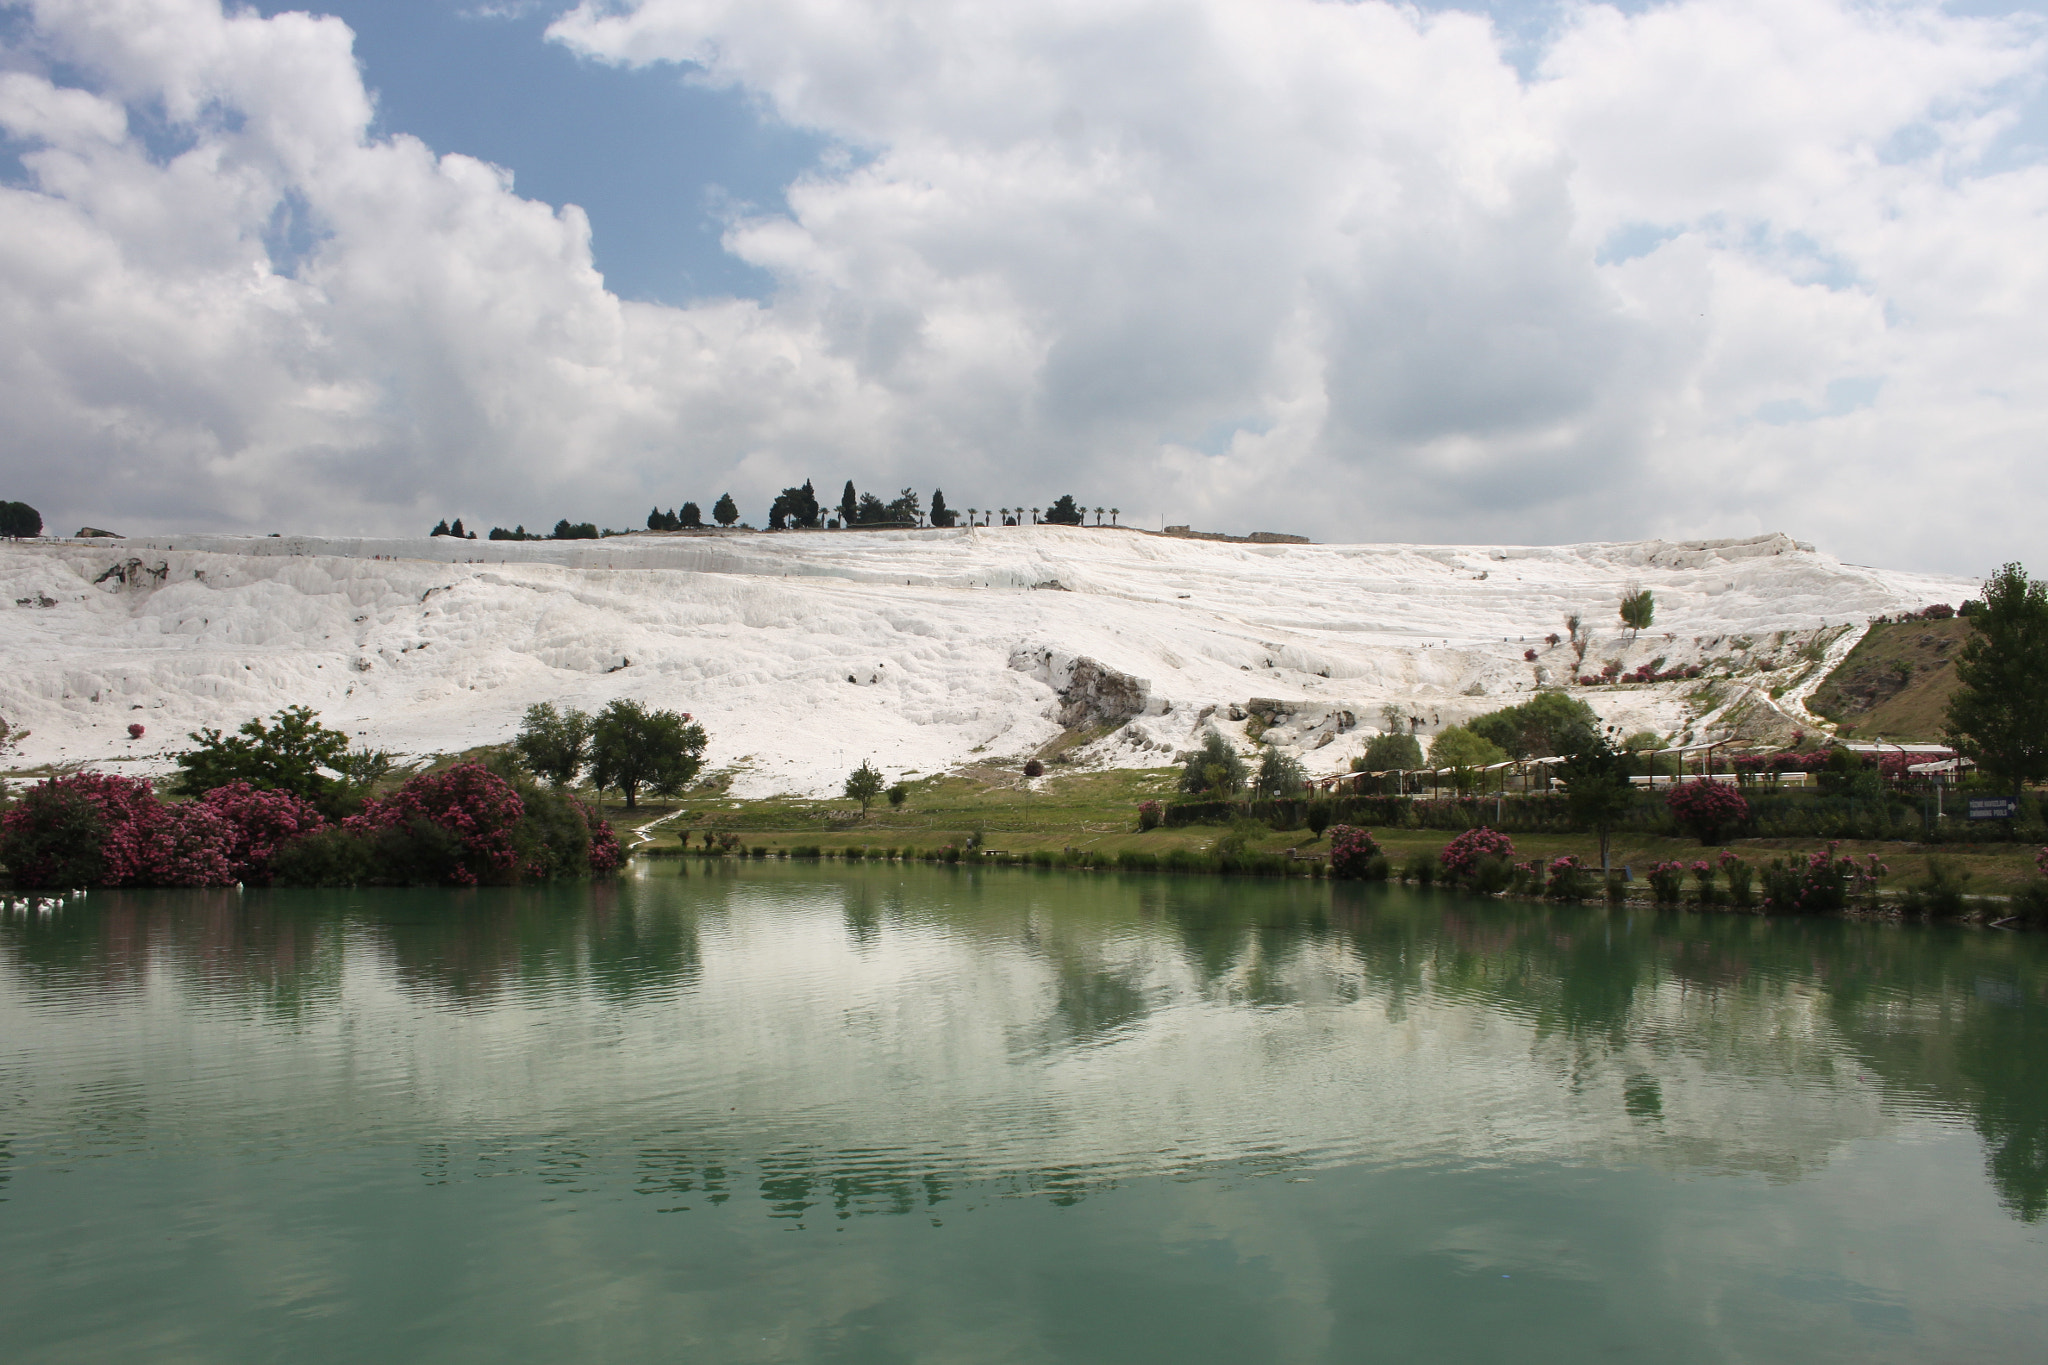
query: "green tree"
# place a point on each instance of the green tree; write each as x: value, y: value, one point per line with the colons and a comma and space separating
x: 19, y: 521
x: 1390, y: 753
x: 871, y: 510
x: 632, y: 747
x: 906, y: 506
x: 554, y: 745
x: 849, y: 505
x: 1998, y: 716
x: 1458, y: 748
x: 799, y: 506
x: 1638, y: 609
x: 1064, y: 511
x: 898, y: 794
x: 285, y: 755
x: 691, y: 515
x: 864, y: 784
x: 1596, y: 788
x: 725, y: 511
x: 1216, y: 767
x: 942, y: 515
x: 1546, y: 724
x: 441, y: 528
x: 1280, y: 773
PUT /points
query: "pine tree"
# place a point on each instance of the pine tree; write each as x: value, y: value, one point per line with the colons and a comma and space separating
x: 849, y: 505
x: 1999, y: 715
x: 1638, y: 609
x: 440, y: 527
x: 1063, y: 512
x: 691, y: 515
x: 456, y: 530
x: 654, y: 519
x: 725, y: 512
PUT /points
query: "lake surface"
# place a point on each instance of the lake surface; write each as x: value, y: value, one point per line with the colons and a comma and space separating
x: 784, y: 1112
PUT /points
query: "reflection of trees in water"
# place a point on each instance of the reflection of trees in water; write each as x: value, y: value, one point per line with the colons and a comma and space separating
x: 278, y: 950
x: 1242, y: 940
x: 1955, y: 1016
x: 1960, y: 1017
x: 472, y: 947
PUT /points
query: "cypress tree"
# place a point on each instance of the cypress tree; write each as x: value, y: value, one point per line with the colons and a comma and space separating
x: 849, y: 505
x: 942, y: 515
x: 440, y: 528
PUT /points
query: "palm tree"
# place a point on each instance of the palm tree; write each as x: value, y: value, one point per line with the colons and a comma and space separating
x: 1098, y: 516
x: 1034, y: 516
x: 970, y: 516
x: 1112, y: 516
x: 1005, y: 514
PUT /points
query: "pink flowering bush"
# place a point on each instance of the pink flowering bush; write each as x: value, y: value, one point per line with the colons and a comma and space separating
x: 1667, y: 882
x: 1567, y: 878
x: 260, y: 823
x: 1461, y: 856
x: 98, y: 829
x: 605, y: 853
x: 1707, y: 808
x: 458, y: 826
x: 135, y: 731
x: 1353, y: 852
x: 1703, y: 876
x: 1150, y: 813
x: 1821, y: 882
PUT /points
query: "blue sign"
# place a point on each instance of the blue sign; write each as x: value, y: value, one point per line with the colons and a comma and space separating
x: 1993, y: 808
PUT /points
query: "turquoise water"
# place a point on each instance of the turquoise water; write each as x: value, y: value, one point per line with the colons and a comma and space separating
x: 787, y: 1112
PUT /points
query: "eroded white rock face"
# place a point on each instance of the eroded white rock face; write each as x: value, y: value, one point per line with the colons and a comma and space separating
x: 805, y: 653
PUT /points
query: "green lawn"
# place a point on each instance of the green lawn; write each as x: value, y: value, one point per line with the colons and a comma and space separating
x: 1096, y: 812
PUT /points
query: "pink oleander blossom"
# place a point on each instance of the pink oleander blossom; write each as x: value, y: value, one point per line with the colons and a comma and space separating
x: 1462, y: 853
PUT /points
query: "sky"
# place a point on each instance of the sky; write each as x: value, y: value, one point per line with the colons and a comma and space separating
x: 1492, y: 272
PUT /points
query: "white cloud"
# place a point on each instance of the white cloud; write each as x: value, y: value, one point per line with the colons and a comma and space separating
x: 1717, y: 266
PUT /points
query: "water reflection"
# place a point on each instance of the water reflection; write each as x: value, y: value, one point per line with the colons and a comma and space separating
x: 884, y: 1040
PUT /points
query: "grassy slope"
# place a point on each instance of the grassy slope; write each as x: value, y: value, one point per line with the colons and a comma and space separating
x: 1896, y: 682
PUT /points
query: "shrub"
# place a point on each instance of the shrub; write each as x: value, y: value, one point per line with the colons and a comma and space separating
x: 1492, y: 874
x: 1033, y: 768
x: 1567, y: 878
x: 96, y: 829
x: 1707, y: 808
x: 1703, y: 875
x: 459, y: 827
x: 260, y: 822
x: 1819, y: 883
x: 1352, y: 851
x: 327, y: 857
x: 1940, y: 894
x: 1420, y: 868
x: 1149, y: 815
x: 1463, y: 853
x: 135, y: 731
x: 1667, y: 882
x: 55, y: 836
x: 1740, y: 876
x: 1318, y: 817
x: 605, y: 855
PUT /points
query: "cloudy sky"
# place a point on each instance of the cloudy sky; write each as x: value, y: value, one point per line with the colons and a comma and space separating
x: 1525, y: 272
